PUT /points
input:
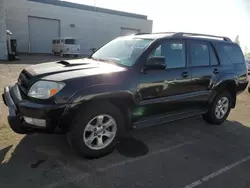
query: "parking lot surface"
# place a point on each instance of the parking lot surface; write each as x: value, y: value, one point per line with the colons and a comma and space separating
x: 187, y: 153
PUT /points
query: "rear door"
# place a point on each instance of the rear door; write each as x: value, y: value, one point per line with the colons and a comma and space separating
x: 204, y: 65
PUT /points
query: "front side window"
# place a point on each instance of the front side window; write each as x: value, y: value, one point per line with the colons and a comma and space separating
x: 124, y: 51
x: 174, y: 52
x: 199, y: 54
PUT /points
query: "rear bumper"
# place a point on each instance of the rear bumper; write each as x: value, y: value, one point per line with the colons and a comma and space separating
x: 19, y: 108
x: 242, y: 86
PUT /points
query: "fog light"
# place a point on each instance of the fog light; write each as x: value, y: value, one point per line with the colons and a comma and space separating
x: 36, y: 122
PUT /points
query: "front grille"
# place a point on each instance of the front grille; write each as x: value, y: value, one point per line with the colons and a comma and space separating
x: 24, y: 81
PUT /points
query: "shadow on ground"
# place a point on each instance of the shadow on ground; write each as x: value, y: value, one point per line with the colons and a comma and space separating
x: 39, y: 160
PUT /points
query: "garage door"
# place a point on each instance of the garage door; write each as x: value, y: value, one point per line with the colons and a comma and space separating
x: 127, y: 31
x: 42, y: 31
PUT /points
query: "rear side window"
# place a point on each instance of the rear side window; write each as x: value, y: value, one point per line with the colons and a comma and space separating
x: 199, y: 54
x: 213, y: 57
x: 233, y: 53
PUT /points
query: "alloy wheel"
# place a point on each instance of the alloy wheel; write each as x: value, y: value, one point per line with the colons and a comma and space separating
x: 100, y: 132
x: 222, y: 107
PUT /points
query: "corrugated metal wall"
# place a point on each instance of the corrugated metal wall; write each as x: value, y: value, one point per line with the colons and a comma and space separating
x: 91, y: 28
x: 3, y: 47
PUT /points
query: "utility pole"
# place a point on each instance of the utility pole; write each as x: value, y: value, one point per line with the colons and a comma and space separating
x: 94, y: 5
x: 93, y: 28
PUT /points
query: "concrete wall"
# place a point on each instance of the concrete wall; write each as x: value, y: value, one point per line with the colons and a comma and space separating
x: 92, y: 29
x: 3, y: 46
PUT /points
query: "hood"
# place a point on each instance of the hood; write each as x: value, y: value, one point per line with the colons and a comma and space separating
x: 68, y: 69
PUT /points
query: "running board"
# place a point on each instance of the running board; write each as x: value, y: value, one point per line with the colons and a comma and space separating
x: 165, y: 118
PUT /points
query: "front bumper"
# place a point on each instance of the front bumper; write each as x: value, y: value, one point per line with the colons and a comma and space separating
x: 71, y: 53
x: 20, y: 108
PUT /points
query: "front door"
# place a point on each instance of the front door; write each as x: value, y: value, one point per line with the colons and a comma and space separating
x: 163, y: 91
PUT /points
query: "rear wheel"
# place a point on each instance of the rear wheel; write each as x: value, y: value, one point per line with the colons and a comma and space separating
x: 219, y: 109
x: 96, y: 130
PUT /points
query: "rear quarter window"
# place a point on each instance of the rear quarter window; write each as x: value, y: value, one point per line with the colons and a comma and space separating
x: 231, y: 53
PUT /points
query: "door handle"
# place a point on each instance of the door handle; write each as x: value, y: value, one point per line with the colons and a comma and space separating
x: 185, y: 74
x: 216, y: 71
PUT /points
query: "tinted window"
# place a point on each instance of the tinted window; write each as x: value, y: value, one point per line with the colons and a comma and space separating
x: 199, y: 54
x: 213, y: 57
x: 233, y: 52
x: 54, y: 41
x: 174, y: 52
x: 58, y: 41
x: 70, y: 41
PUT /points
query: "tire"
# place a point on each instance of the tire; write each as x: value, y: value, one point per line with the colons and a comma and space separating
x: 77, y: 131
x: 61, y: 54
x: 210, y: 116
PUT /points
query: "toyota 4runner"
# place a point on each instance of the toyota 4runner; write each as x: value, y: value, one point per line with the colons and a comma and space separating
x: 131, y: 82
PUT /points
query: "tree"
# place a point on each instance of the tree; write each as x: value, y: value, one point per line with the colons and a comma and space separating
x: 237, y: 39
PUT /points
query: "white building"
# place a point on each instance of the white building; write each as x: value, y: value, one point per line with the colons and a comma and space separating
x: 3, y: 46
x: 34, y: 23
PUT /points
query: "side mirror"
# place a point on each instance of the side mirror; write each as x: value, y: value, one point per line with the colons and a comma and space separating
x: 156, y: 63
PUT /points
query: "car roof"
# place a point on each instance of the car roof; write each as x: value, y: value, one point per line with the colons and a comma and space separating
x: 182, y: 35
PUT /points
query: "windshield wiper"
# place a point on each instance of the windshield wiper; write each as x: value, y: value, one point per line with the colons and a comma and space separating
x: 110, y: 60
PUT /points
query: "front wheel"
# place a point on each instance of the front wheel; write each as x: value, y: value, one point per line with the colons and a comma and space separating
x: 96, y: 130
x: 62, y: 54
x: 219, y: 109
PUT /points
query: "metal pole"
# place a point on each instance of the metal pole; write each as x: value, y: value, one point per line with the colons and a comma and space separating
x: 94, y: 5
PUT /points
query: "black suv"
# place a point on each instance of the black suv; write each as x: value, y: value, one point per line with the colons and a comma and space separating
x: 131, y: 82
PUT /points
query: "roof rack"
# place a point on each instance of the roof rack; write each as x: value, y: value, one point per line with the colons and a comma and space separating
x: 181, y: 34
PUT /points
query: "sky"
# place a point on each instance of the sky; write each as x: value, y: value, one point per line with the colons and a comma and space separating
x: 220, y: 17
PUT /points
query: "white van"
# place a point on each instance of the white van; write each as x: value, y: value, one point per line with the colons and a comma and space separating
x: 65, y: 46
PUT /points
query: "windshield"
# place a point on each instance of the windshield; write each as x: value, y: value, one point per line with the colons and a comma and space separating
x: 123, y: 51
x: 70, y: 41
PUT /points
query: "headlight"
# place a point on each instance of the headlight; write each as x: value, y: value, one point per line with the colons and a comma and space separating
x: 45, y: 89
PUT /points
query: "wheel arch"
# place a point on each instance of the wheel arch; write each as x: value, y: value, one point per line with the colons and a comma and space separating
x: 229, y: 85
x: 123, y: 100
